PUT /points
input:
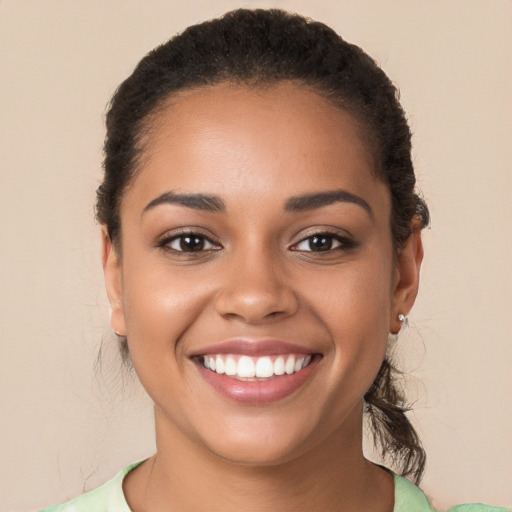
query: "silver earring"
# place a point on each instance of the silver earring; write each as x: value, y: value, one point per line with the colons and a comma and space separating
x: 404, y: 319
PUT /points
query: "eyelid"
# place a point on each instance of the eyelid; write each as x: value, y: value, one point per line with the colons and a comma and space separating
x: 345, y: 240
x: 164, y: 241
x: 298, y: 248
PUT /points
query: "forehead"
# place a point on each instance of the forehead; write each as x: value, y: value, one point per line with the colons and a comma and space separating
x: 254, y: 142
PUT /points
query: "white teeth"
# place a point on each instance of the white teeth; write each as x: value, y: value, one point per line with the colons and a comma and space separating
x: 219, y: 365
x: 255, y: 367
x: 231, y: 366
x: 264, y: 367
x: 289, y: 367
x: 245, y: 367
x: 279, y: 366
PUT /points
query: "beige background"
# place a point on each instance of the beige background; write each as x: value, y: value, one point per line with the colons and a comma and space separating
x: 65, y: 426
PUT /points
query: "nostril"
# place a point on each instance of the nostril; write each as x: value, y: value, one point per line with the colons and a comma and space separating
x: 256, y: 297
x: 255, y: 310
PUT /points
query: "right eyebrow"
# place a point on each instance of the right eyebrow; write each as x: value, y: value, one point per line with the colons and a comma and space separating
x: 320, y: 199
x: 203, y: 202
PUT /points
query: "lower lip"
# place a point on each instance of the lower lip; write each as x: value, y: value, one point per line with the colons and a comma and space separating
x: 257, y: 392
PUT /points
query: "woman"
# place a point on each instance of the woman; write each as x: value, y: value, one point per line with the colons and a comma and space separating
x: 261, y: 241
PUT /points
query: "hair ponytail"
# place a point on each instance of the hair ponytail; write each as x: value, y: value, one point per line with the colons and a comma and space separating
x: 393, y: 434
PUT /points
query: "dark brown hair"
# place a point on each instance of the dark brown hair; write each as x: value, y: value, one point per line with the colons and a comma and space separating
x: 262, y: 48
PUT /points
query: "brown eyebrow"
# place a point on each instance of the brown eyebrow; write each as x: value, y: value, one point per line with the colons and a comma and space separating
x: 318, y: 199
x: 203, y: 202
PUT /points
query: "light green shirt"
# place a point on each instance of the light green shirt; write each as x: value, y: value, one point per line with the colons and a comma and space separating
x: 110, y: 498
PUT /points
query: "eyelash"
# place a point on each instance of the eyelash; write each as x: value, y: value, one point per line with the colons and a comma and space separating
x: 343, y: 243
x: 166, y: 243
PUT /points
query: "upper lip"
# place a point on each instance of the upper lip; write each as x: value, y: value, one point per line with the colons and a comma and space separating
x: 252, y: 348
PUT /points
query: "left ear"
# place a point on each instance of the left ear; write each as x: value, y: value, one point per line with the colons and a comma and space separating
x: 406, y: 277
x: 113, y: 282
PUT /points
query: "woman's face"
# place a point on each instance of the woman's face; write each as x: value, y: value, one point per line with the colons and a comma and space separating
x: 258, y: 282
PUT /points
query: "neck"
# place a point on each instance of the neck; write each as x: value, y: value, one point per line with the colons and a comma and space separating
x: 184, y: 475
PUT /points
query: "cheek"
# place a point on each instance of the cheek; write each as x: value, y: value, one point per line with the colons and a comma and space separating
x: 160, y: 308
x: 160, y: 304
x: 354, y: 304
x: 356, y: 296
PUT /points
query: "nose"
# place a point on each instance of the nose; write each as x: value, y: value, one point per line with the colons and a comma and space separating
x: 256, y: 290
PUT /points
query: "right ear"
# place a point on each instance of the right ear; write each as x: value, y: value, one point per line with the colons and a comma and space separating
x: 113, y: 282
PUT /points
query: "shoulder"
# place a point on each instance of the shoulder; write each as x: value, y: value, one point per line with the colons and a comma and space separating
x: 107, y: 498
x: 409, y: 497
x: 477, y: 507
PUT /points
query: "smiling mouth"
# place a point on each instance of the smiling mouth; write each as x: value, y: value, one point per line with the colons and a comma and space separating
x: 256, y: 373
x: 255, y: 369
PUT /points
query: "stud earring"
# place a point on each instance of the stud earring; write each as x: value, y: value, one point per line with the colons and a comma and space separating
x: 404, y: 319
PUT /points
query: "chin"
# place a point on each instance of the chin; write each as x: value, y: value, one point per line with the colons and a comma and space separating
x: 258, y: 445
x: 257, y: 455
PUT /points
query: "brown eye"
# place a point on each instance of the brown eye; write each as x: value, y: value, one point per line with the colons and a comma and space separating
x: 189, y: 243
x: 319, y: 243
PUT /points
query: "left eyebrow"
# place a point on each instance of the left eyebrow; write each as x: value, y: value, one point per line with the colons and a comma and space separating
x: 203, y: 202
x: 319, y: 199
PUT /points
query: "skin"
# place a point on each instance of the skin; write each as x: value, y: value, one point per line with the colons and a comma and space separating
x: 258, y: 278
